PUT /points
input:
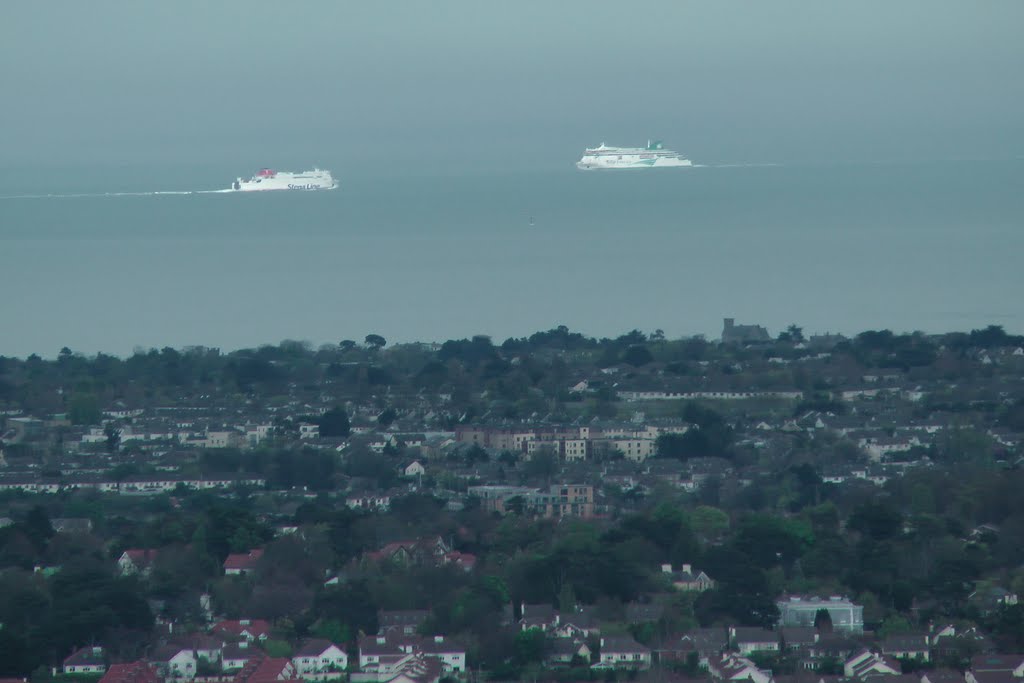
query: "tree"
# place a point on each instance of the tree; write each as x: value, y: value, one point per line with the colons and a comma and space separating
x: 83, y: 409
x: 823, y: 621
x: 375, y: 341
x: 792, y: 334
x: 637, y: 356
x: 334, y: 422
x: 113, y: 435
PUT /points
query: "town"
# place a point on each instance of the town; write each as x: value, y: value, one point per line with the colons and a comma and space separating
x: 778, y: 509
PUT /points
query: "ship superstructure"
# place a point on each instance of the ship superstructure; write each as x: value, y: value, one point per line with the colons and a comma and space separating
x: 269, y: 179
x: 654, y: 155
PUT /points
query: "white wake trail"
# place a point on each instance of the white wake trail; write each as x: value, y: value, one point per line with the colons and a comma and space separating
x: 78, y: 195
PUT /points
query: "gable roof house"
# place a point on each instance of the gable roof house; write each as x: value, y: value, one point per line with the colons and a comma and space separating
x: 244, y: 629
x: 383, y: 654
x: 242, y: 563
x: 131, y: 672
x: 563, y: 651
x: 907, y: 646
x: 866, y: 663
x: 748, y: 640
x: 623, y: 653
x: 798, y: 637
x: 236, y: 656
x: 686, y: 579
x: 174, y: 661
x: 136, y: 561
x: 544, y: 617
x: 86, y: 660
x: 984, y: 665
x: 318, y: 656
x: 405, y: 622
x: 732, y: 667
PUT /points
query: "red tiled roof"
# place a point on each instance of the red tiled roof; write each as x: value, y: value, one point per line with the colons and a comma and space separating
x: 141, y: 557
x: 256, y: 627
x: 243, y: 560
x: 133, y: 672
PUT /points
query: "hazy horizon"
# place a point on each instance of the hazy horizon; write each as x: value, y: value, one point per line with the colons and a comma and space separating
x: 466, y: 83
x: 896, y: 131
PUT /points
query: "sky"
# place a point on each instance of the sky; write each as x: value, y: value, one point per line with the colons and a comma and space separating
x: 465, y: 83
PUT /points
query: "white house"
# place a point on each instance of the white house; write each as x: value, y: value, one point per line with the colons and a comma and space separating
x: 87, y: 660
x: 174, y: 661
x: 452, y: 656
x: 319, y: 656
x: 414, y: 469
x: 623, y: 653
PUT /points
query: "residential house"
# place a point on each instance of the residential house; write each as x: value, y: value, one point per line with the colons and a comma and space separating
x: 732, y: 667
x: 265, y: 669
x: 623, y: 652
x: 242, y: 563
x: 319, y: 656
x: 248, y: 630
x: 982, y: 665
x: 419, y: 552
x: 131, y: 672
x: 798, y: 637
x: 369, y: 501
x: 404, y: 622
x: 942, y: 676
x: 577, y: 624
x: 382, y: 654
x: 566, y: 651
x: 206, y: 648
x: 407, y: 668
x: 543, y: 617
x: 907, y: 646
x: 748, y: 640
x: 451, y: 655
x: 686, y: 579
x: 414, y: 469
x: 866, y: 663
x: 86, y: 660
x: 236, y: 656
x: 174, y: 661
x: 136, y: 561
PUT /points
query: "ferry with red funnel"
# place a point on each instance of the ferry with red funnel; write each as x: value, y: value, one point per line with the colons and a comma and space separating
x: 269, y: 179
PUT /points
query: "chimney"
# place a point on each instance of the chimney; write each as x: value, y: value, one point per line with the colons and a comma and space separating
x: 666, y: 569
x: 687, y: 569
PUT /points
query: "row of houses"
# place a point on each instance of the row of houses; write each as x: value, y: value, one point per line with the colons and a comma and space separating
x: 155, y: 484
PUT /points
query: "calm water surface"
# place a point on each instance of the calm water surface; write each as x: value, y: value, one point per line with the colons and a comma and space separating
x: 930, y: 246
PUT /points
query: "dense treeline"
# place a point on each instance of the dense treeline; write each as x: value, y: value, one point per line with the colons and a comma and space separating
x: 519, y: 376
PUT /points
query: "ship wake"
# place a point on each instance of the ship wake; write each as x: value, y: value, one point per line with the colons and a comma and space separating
x: 73, y: 195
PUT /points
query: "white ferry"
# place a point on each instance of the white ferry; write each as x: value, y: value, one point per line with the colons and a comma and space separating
x: 651, y: 156
x: 269, y: 179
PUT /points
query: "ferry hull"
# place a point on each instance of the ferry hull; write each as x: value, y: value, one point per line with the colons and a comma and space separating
x: 606, y: 166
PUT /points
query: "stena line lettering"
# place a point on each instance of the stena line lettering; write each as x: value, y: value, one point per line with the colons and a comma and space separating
x: 309, y: 186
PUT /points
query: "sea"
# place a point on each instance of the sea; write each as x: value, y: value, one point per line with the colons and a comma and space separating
x: 100, y: 259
